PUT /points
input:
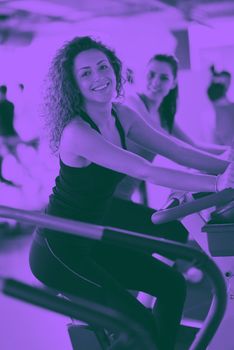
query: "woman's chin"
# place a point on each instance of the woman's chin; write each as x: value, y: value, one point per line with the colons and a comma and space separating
x: 155, y: 96
x: 152, y: 96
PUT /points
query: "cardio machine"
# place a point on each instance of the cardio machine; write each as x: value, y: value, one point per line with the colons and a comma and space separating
x: 210, y: 220
x: 90, y: 307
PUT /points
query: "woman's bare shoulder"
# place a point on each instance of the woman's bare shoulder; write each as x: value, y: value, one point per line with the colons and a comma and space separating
x: 126, y: 110
x: 134, y: 101
x: 133, y: 98
x: 74, y: 130
x: 77, y: 124
x: 126, y: 114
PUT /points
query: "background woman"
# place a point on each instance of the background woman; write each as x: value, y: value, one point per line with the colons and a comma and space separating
x: 157, y: 105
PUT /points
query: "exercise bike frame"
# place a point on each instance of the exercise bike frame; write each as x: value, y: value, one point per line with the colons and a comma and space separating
x: 86, y: 308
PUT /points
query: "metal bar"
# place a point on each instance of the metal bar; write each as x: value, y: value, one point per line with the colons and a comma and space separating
x: 220, y: 198
x: 78, y: 228
x: 213, y: 228
x: 90, y: 311
x: 143, y: 242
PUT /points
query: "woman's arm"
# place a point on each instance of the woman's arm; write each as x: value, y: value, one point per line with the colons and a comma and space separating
x: 142, y: 133
x: 81, y: 140
x: 135, y: 103
x: 207, y: 147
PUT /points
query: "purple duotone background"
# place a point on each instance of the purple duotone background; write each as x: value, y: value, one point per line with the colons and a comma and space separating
x: 30, y: 33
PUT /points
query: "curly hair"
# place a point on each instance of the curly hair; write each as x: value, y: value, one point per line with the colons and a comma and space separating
x: 62, y: 100
x: 168, y: 106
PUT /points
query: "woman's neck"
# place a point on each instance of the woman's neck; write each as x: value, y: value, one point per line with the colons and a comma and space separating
x: 99, y: 113
x: 152, y: 104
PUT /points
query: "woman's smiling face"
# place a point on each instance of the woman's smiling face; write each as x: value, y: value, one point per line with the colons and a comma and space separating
x: 160, y: 79
x: 95, y: 76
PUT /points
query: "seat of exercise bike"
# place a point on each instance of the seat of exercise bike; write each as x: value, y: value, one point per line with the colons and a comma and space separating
x: 220, y: 231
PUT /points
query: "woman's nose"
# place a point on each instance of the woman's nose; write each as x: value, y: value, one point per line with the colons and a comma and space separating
x: 155, y: 82
x: 97, y: 75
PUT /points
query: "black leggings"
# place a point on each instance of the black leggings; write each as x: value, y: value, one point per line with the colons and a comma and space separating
x: 60, y: 262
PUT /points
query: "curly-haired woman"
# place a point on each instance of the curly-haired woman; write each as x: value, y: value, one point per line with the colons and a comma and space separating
x: 88, y: 132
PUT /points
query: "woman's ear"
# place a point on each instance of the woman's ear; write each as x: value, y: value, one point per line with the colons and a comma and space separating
x: 175, y: 83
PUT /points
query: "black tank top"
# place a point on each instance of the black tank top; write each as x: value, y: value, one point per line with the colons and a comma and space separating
x: 144, y: 100
x: 85, y: 193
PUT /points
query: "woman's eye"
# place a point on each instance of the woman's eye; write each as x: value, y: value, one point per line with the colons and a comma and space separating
x: 163, y: 78
x: 151, y: 75
x: 86, y: 73
x: 103, y: 67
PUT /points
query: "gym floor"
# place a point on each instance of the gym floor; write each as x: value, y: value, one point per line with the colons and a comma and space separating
x: 24, y: 326
x: 27, y: 327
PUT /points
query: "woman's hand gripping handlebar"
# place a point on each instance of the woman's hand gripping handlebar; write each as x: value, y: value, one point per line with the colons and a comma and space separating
x: 182, y: 210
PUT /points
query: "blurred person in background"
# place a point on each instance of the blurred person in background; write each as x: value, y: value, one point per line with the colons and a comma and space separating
x: 6, y: 114
x: 8, y: 135
x: 217, y: 92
